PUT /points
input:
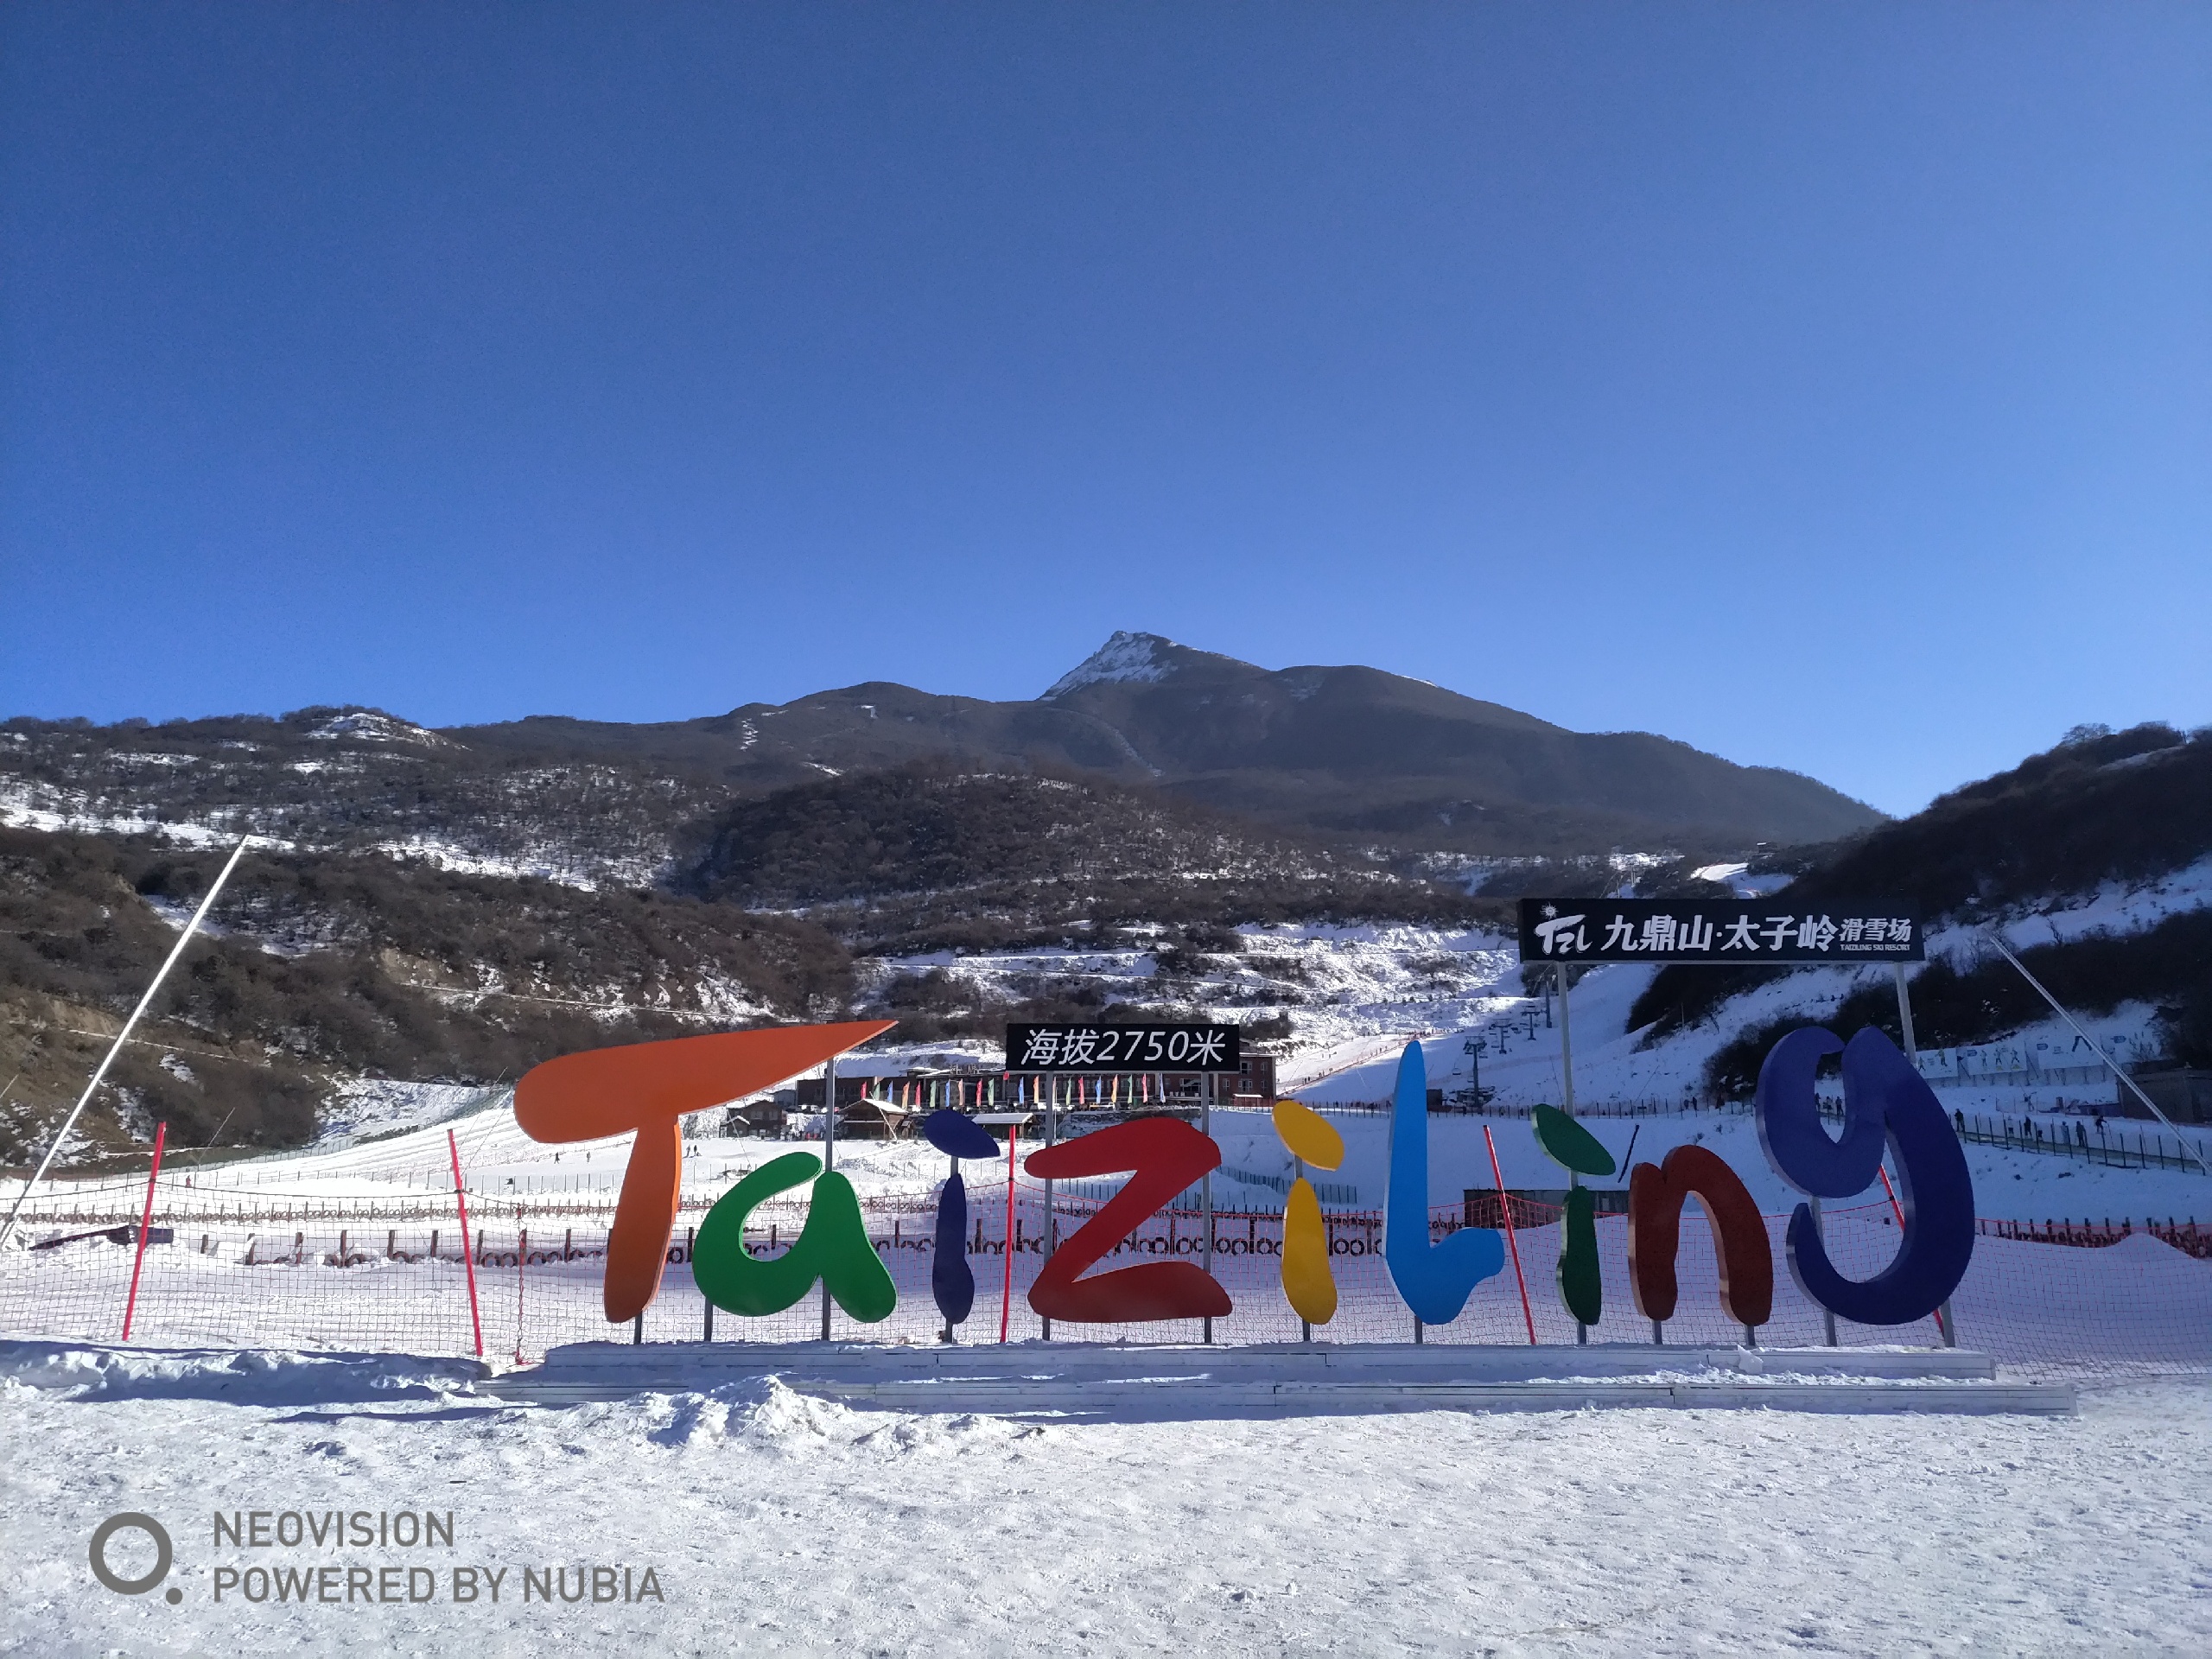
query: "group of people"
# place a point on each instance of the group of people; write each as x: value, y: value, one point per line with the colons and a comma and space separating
x: 2031, y: 1128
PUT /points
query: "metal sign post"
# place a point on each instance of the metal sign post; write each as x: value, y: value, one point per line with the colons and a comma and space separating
x: 1206, y: 1186
x: 1567, y: 1088
x: 828, y: 1158
x: 1051, y: 1217
x: 1912, y: 1057
x: 1566, y: 1042
x: 1904, y: 1019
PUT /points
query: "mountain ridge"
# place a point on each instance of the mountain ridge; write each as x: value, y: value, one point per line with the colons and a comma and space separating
x: 1345, y: 750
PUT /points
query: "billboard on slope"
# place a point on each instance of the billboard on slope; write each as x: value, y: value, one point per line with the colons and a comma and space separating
x: 1732, y: 932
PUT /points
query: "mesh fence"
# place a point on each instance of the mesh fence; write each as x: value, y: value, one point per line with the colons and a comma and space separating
x: 270, y: 1268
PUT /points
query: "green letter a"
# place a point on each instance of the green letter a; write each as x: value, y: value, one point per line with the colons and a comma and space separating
x: 833, y: 1247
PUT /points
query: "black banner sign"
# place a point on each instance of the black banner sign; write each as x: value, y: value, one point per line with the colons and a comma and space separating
x: 1122, y: 1048
x: 1736, y: 931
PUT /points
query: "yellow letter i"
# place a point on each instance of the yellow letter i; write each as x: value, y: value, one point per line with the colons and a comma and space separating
x: 1307, y: 1278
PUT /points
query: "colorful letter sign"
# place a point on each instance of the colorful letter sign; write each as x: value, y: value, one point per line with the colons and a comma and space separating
x: 832, y: 1248
x: 1434, y: 1280
x: 1307, y: 1279
x: 1886, y: 1104
x: 1165, y: 1155
x: 952, y: 1282
x: 1566, y: 1142
x: 1656, y: 1194
x: 1888, y: 1109
x: 647, y: 1087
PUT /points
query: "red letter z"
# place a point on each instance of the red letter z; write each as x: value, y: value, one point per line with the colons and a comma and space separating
x: 1166, y: 1155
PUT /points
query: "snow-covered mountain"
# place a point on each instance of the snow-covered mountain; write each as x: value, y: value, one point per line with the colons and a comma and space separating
x: 451, y: 907
x: 1351, y: 754
x: 1124, y: 658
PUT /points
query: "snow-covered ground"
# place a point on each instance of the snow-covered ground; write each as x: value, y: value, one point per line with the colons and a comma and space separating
x: 775, y: 1523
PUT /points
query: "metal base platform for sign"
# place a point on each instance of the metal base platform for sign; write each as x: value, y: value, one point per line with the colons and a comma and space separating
x: 1074, y: 1381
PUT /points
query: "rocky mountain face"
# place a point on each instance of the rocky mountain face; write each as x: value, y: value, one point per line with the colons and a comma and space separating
x: 927, y: 857
x: 347, y: 781
x: 318, y: 967
x: 1360, y: 751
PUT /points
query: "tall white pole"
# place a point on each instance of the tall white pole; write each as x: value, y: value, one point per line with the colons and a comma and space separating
x: 1904, y: 1018
x: 1565, y: 1039
x: 122, y: 1037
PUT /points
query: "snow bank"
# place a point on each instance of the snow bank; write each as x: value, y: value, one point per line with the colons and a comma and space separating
x: 775, y: 1524
x: 244, y: 1376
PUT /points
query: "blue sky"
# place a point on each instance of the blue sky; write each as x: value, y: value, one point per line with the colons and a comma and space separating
x: 1828, y: 386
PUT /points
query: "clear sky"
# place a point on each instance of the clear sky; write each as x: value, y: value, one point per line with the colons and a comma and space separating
x: 1828, y: 385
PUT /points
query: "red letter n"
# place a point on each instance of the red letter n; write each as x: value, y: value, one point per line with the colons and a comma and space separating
x: 1655, y: 1196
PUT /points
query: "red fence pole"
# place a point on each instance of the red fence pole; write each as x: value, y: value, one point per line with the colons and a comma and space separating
x: 130, y: 1307
x: 1505, y: 1208
x: 1898, y: 1209
x: 468, y: 1250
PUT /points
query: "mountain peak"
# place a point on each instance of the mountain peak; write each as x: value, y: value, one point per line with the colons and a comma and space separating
x: 1124, y: 657
x: 1145, y: 658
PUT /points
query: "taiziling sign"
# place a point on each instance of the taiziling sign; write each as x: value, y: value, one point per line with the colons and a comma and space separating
x: 1736, y: 932
x: 1889, y: 1111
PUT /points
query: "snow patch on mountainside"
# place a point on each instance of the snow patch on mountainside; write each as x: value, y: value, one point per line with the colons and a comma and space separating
x: 1124, y: 657
x: 2115, y: 907
x: 369, y: 727
x: 548, y: 861
x: 25, y: 805
x: 1738, y: 880
x: 367, y: 1108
